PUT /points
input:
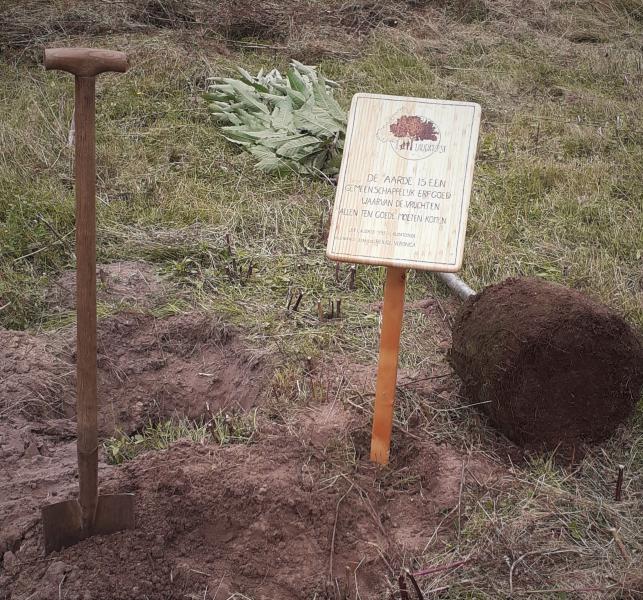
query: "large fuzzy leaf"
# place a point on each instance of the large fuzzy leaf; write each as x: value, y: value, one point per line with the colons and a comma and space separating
x: 288, y: 123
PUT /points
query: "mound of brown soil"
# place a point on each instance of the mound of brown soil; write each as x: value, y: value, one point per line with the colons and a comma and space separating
x: 148, y: 369
x: 549, y: 365
x: 187, y: 365
x: 34, y: 376
x: 275, y: 519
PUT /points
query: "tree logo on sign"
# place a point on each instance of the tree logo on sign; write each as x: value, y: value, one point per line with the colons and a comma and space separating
x: 412, y: 137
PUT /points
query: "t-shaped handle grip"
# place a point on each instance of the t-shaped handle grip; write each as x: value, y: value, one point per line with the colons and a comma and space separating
x: 85, y: 62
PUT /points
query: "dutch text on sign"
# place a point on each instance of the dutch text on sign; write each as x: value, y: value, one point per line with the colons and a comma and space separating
x: 403, y: 191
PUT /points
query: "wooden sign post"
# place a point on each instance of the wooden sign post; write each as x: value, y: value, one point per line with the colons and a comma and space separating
x: 402, y: 201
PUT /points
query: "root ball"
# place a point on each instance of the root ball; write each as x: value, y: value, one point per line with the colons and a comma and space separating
x: 548, y: 365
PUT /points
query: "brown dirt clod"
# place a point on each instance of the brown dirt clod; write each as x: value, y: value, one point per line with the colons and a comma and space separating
x: 550, y: 366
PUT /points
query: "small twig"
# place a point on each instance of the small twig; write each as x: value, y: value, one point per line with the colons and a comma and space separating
x: 299, y: 297
x: 462, y: 477
x: 338, y: 311
x: 254, y: 45
x: 337, y: 267
x: 7, y: 305
x: 619, y: 543
x: 42, y: 248
x: 288, y: 299
x: 331, y: 309
x: 446, y: 567
x: 351, y: 280
x: 56, y: 234
x: 60, y: 587
x: 404, y: 593
x: 415, y: 585
x: 332, y: 541
x: 71, y: 138
x: 414, y: 381
x: 320, y: 311
x: 534, y: 553
x: 228, y: 243
x: 619, y: 483
x: 321, y: 224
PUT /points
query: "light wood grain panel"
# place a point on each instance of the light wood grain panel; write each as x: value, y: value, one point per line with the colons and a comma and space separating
x: 404, y: 185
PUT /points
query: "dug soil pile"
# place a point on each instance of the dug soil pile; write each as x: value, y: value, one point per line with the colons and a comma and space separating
x: 298, y: 513
x: 188, y: 365
x: 276, y: 519
x: 548, y: 365
x: 148, y: 369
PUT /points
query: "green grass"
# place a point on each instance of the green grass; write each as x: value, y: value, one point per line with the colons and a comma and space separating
x: 220, y: 428
x: 557, y: 190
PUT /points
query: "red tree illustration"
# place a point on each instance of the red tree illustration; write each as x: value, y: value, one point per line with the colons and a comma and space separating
x: 414, y: 128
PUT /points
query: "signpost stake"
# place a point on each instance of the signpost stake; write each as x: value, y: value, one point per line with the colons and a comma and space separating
x: 402, y: 201
x: 392, y: 313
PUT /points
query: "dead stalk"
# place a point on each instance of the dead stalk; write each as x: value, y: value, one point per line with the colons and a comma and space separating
x: 299, y: 297
x: 446, y: 567
x: 404, y: 593
x: 619, y: 483
x: 415, y: 585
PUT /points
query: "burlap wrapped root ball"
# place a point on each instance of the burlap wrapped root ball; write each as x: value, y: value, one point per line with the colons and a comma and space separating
x: 550, y: 366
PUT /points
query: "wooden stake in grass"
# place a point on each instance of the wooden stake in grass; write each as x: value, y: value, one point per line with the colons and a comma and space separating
x: 619, y: 483
x: 387, y: 368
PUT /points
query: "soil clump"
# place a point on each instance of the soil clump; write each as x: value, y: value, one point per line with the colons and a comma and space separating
x: 550, y: 366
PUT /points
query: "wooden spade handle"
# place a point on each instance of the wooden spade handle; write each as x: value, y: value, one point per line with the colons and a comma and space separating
x: 85, y: 64
x: 392, y: 314
x: 86, y: 393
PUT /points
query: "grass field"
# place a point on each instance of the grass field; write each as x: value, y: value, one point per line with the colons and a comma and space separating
x: 558, y: 193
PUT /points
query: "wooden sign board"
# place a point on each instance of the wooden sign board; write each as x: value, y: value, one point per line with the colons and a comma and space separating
x: 404, y: 185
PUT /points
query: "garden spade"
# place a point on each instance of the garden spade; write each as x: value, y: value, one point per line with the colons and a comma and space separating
x: 66, y: 523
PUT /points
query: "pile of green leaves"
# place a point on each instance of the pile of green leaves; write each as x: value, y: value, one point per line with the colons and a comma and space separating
x: 288, y: 123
